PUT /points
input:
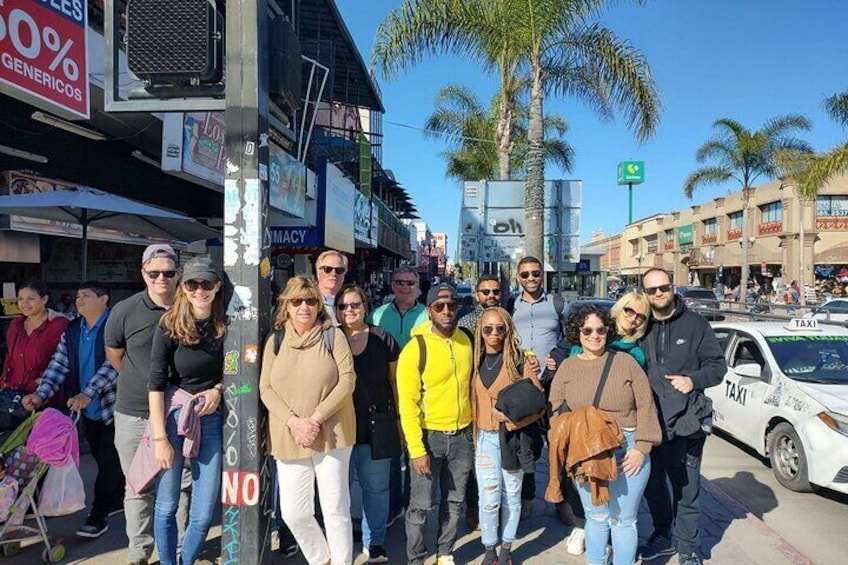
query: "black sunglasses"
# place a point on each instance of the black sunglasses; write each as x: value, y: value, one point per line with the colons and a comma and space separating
x: 631, y: 312
x: 166, y: 274
x: 296, y: 302
x: 352, y: 305
x: 663, y: 288
x: 339, y: 270
x: 486, y: 291
x: 488, y: 330
x: 191, y: 286
x: 527, y: 274
x: 586, y: 332
x: 403, y: 283
x: 440, y: 306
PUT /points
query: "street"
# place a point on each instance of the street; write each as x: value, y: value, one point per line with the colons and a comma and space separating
x: 780, y: 527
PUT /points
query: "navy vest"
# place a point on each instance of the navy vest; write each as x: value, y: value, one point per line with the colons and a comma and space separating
x: 72, y: 341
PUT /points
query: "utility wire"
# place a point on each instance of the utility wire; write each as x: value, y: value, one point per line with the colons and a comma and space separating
x: 435, y: 132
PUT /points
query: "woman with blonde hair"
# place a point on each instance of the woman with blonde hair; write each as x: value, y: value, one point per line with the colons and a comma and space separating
x: 630, y: 314
x: 307, y: 384
x: 499, y: 466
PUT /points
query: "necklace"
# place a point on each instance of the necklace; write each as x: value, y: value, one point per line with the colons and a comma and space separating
x: 495, y: 364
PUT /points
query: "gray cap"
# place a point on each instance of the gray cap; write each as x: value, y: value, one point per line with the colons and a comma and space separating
x: 201, y: 269
x: 443, y: 290
x: 159, y: 250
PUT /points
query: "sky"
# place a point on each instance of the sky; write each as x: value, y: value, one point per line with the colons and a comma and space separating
x: 749, y: 60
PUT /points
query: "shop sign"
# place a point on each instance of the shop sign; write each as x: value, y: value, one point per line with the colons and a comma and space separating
x: 44, y: 54
x: 286, y: 182
x: 469, y: 247
x: 684, y: 234
x: 361, y: 218
x: 583, y: 266
x: 631, y: 172
x: 374, y: 232
x: 194, y: 144
x: 294, y: 236
x: 338, y: 202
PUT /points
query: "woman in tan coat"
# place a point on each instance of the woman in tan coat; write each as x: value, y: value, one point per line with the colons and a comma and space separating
x: 307, y: 386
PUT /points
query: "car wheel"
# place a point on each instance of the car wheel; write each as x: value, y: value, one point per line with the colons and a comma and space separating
x: 788, y: 459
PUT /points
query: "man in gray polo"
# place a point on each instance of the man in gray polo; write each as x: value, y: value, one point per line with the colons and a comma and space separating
x: 129, y: 336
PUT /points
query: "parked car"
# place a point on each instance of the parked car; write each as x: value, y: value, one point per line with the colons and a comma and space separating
x: 700, y: 300
x: 464, y: 290
x: 835, y: 310
x: 785, y: 394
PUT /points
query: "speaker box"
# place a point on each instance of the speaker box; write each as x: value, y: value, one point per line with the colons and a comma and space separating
x: 285, y: 65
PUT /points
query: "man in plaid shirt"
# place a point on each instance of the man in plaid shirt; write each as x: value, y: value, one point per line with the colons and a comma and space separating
x: 80, y: 371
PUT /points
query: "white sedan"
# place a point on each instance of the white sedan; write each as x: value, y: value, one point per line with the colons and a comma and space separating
x: 835, y: 310
x: 785, y: 395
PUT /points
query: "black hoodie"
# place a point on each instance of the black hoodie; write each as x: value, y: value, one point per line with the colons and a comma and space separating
x: 682, y: 344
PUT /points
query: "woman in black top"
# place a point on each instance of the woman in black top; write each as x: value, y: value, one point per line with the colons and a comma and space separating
x: 375, y: 355
x: 187, y: 358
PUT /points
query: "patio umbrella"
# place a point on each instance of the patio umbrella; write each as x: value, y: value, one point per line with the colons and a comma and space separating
x: 86, y: 206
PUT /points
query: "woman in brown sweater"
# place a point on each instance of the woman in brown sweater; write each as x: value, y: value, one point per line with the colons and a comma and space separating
x: 628, y: 399
x: 307, y: 387
x: 499, y: 362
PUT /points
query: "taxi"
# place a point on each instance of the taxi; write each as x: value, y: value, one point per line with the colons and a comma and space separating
x: 785, y: 394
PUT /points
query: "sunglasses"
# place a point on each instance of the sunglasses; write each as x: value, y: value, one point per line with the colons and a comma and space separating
x: 191, y: 286
x: 404, y: 283
x: 166, y: 274
x: 350, y: 305
x: 489, y: 330
x: 633, y: 313
x: 527, y: 274
x: 296, y: 302
x: 663, y: 288
x: 586, y: 332
x: 339, y: 270
x: 441, y: 306
x: 487, y: 292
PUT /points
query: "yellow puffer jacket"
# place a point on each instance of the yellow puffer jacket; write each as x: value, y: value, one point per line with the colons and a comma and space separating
x: 440, y: 399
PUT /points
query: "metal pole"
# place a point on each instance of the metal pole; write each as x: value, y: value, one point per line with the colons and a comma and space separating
x: 84, y: 223
x: 630, y: 203
x: 558, y: 185
x: 247, y: 482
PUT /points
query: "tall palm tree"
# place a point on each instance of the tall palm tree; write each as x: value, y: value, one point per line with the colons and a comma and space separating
x: 550, y: 44
x: 743, y: 155
x: 833, y: 162
x: 473, y: 152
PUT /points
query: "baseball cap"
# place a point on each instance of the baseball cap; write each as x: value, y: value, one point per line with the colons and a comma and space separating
x: 159, y: 250
x: 443, y: 290
x: 201, y: 269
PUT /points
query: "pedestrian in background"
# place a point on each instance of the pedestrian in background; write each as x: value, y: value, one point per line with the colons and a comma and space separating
x: 330, y: 269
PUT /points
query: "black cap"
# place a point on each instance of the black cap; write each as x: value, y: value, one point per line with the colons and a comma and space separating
x: 442, y: 290
x: 201, y: 269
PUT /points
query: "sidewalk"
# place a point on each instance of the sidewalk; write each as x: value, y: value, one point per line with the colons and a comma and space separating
x: 730, y: 536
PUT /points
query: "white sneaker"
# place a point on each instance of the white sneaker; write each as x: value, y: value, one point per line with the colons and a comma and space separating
x: 575, y: 544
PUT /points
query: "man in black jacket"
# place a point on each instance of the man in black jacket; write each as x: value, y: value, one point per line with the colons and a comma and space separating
x: 684, y: 358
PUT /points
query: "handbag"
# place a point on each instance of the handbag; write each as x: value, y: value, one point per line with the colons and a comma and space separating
x: 11, y: 409
x: 521, y: 400
x: 62, y: 493
x: 383, y: 427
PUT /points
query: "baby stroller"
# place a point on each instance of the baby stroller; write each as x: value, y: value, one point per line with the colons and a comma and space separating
x: 27, y: 469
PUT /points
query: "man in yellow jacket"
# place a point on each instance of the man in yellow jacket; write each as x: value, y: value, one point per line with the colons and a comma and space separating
x: 435, y: 413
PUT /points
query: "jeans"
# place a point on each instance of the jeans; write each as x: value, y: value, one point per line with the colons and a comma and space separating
x: 618, y: 516
x: 138, y: 508
x: 451, y: 458
x: 398, y: 484
x: 205, y: 492
x: 499, y: 490
x: 109, y: 484
x: 374, y: 480
x: 680, y: 460
x: 297, y: 505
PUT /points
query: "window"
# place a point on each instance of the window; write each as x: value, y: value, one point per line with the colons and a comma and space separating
x: 832, y: 206
x: 723, y: 337
x: 735, y: 221
x: 634, y: 248
x: 772, y: 212
x: 710, y: 226
x: 652, y: 244
x: 669, y: 236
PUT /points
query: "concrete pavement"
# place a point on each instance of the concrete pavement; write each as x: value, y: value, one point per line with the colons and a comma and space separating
x: 730, y: 535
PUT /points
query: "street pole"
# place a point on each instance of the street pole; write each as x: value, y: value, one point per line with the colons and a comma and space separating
x: 558, y: 185
x: 247, y: 485
x: 630, y: 203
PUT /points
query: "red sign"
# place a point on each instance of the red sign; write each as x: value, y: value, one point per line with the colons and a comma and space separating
x: 240, y: 488
x: 44, y: 53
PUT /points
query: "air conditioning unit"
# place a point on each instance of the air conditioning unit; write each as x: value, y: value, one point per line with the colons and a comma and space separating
x: 285, y: 64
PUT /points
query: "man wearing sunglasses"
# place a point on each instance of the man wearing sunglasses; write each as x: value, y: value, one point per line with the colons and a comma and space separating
x: 683, y: 358
x: 330, y: 269
x: 538, y: 320
x: 488, y: 294
x: 129, y: 339
x: 434, y: 385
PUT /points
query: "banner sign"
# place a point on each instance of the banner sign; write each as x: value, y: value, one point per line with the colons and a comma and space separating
x: 294, y: 236
x: 287, y: 182
x: 44, y: 54
x: 338, y: 203
x: 361, y: 218
x: 685, y: 234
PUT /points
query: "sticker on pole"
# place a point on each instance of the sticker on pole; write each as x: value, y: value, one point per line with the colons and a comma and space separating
x: 44, y: 54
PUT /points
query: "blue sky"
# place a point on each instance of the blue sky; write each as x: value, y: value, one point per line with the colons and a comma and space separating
x: 749, y: 60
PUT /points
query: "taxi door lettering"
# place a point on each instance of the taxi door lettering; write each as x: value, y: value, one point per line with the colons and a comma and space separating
x: 736, y: 392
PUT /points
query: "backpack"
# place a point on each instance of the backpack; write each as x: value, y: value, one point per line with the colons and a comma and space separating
x: 422, y: 350
x: 329, y: 339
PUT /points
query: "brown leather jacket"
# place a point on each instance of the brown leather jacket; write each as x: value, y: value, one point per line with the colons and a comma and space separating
x: 583, y: 443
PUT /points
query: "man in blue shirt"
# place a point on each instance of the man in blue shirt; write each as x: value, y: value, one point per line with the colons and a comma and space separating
x: 79, y: 370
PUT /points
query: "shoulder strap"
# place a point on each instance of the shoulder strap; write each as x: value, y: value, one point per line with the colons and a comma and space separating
x: 330, y: 338
x: 559, y: 303
x: 278, y: 339
x: 422, y: 355
x: 468, y: 333
x: 604, y: 376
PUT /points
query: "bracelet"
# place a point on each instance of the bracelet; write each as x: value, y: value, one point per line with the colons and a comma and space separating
x: 163, y: 438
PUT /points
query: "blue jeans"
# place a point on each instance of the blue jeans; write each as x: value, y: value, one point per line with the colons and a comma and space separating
x: 374, y: 480
x: 499, y: 491
x: 205, y: 494
x: 618, y: 515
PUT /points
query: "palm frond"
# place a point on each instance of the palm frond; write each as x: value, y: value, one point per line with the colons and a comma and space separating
x: 837, y: 107
x: 705, y: 176
x: 781, y: 126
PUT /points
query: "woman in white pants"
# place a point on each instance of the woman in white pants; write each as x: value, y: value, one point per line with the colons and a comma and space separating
x: 307, y: 384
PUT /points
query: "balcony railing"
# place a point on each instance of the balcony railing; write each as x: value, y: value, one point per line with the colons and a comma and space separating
x: 734, y: 234
x: 832, y: 223
x: 709, y: 238
x: 770, y: 228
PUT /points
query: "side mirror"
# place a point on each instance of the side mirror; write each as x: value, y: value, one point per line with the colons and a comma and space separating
x: 750, y: 370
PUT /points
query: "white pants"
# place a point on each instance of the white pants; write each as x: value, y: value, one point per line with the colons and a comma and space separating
x: 297, y: 505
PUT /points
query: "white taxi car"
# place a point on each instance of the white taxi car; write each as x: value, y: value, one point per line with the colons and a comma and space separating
x: 785, y: 395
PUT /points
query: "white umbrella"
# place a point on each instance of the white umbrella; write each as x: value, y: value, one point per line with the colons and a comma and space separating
x: 86, y: 206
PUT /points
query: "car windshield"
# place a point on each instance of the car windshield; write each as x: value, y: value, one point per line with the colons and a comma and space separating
x: 699, y: 294
x: 812, y: 359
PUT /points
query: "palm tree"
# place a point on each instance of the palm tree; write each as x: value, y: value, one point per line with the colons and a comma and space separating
x: 743, y: 155
x: 473, y: 152
x: 548, y: 44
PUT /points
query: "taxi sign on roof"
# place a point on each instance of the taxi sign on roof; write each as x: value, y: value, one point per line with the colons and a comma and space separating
x: 809, y: 324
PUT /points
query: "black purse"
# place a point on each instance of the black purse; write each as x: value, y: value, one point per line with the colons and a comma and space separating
x: 383, y: 428
x: 520, y: 400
